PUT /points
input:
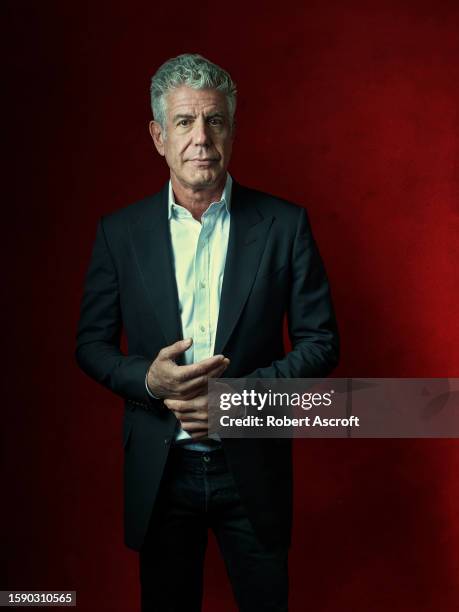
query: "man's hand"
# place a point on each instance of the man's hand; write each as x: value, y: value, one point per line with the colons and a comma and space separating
x: 192, y: 414
x: 168, y: 380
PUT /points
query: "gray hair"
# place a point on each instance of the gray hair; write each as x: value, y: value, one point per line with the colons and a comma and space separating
x: 194, y: 71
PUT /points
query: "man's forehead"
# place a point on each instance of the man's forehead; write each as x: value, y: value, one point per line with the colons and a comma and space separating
x: 185, y: 99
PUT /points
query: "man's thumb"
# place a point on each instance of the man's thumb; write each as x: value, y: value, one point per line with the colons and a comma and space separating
x: 178, y: 348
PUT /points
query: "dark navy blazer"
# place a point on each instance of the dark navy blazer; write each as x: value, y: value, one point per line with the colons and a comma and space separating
x: 273, y: 269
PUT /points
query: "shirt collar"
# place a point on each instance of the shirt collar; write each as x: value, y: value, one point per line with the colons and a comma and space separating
x: 226, y: 197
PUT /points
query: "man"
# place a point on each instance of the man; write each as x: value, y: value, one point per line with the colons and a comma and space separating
x: 201, y: 275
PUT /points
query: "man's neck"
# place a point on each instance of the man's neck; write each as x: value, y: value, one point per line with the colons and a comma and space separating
x: 197, y: 201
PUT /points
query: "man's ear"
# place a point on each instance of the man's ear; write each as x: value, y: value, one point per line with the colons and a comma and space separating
x: 156, y: 133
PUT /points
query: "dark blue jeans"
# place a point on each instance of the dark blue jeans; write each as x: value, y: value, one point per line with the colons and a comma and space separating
x: 198, y: 492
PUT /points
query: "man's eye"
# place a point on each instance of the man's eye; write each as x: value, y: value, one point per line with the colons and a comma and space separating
x: 184, y: 122
x: 215, y: 121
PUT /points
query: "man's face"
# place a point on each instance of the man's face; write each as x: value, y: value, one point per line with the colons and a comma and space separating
x: 199, y: 137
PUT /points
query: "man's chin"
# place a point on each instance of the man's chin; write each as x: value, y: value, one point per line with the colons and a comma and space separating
x: 204, y: 178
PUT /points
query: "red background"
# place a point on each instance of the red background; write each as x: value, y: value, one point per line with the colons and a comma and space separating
x: 348, y: 108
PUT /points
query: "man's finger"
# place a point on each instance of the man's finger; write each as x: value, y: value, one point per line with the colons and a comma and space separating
x: 191, y: 417
x: 174, y: 350
x: 202, y: 368
x: 188, y: 387
x: 190, y: 426
x: 216, y: 372
x: 179, y: 405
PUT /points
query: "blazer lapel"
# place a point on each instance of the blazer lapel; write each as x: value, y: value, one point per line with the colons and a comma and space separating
x: 152, y: 245
x: 247, y: 240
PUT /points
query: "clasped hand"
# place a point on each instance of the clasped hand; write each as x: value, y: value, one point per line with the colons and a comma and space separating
x: 184, y: 388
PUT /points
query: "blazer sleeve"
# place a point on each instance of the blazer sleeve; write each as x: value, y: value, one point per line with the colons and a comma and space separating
x: 99, y: 331
x: 312, y: 323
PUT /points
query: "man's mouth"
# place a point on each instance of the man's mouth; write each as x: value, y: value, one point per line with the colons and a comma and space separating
x: 207, y: 160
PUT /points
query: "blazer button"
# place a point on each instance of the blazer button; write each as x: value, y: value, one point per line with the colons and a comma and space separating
x: 167, y: 441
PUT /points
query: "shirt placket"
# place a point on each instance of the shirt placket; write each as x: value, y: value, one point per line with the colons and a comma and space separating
x: 202, y: 329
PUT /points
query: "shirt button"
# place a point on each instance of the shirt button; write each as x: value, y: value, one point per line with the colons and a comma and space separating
x: 202, y: 284
x: 202, y: 328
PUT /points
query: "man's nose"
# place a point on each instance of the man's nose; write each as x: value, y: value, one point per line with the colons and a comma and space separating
x: 201, y: 135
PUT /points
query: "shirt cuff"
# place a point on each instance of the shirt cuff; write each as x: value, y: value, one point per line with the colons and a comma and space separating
x: 148, y: 390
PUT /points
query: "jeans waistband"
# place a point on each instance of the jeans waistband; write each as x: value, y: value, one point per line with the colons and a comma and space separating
x: 198, y: 461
